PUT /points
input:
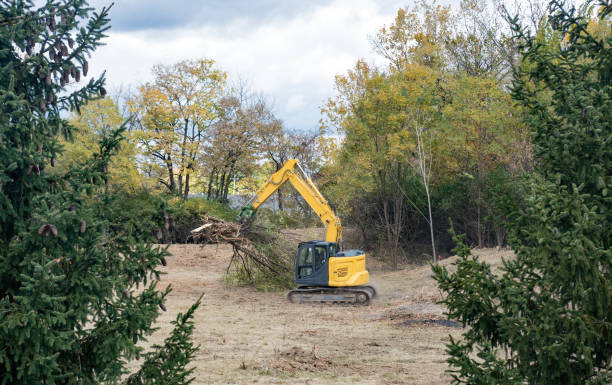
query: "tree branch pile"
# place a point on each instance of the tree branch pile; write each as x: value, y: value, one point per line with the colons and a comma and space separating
x: 259, y: 256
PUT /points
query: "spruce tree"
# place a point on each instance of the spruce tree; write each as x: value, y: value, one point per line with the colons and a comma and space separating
x: 546, y: 318
x: 75, y: 296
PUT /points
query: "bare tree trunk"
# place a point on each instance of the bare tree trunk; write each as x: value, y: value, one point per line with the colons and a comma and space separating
x: 170, y: 174
x: 186, y: 187
x: 210, y: 183
x: 180, y: 183
x: 499, y: 237
x: 481, y: 138
x: 431, y: 231
x: 279, y: 196
x: 397, y: 228
x: 425, y: 171
x: 222, y: 186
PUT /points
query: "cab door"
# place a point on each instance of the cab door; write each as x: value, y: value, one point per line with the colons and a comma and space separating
x: 311, y: 265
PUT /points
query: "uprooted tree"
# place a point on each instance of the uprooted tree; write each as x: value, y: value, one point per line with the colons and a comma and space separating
x: 547, y: 318
x: 76, y: 297
x: 259, y: 256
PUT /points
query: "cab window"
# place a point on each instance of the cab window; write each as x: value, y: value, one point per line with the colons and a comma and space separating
x: 332, y: 250
x: 305, y: 262
x: 320, y: 252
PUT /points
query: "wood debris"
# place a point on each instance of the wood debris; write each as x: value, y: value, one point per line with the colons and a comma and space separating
x: 248, y: 243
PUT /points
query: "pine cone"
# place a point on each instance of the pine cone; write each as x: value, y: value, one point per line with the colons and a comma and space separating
x: 49, y: 98
x: 51, y: 54
x: 102, y: 91
x: 53, y: 230
x: 126, y: 294
x: 70, y: 42
x: 52, y: 162
x: 83, y: 227
x: 57, y: 45
x: 36, y: 169
x: 57, y: 58
x: 163, y: 261
x: 48, y: 79
x: 162, y: 306
x: 43, y: 107
x: 29, y: 50
x: 77, y: 75
x: 64, y: 50
x: 62, y: 82
x: 85, y: 68
x: 43, y: 230
x: 72, y: 73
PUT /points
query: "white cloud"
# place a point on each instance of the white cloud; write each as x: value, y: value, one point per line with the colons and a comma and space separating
x: 291, y: 61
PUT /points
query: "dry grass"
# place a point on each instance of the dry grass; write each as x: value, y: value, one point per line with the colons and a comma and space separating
x: 250, y: 337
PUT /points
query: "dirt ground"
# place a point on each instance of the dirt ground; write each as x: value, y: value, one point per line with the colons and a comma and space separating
x: 251, y: 337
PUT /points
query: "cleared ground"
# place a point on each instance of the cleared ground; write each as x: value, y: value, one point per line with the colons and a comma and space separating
x: 250, y: 337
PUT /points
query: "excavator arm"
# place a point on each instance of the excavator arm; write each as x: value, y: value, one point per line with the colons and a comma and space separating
x: 292, y: 172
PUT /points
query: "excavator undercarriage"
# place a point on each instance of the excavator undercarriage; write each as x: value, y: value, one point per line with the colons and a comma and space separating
x: 357, y: 295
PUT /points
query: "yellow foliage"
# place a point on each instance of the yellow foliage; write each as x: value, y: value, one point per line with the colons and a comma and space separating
x: 97, y: 119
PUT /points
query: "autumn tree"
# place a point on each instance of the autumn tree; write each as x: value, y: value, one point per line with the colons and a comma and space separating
x: 277, y: 144
x: 231, y: 149
x: 76, y: 298
x: 389, y: 126
x: 96, y: 119
x: 482, y: 126
x: 481, y: 44
x: 235, y: 142
x: 173, y: 115
x: 417, y: 35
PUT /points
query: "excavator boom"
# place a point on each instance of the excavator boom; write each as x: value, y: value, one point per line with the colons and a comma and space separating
x: 293, y: 173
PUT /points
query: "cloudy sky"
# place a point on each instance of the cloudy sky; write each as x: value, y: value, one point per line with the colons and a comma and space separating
x: 289, y: 50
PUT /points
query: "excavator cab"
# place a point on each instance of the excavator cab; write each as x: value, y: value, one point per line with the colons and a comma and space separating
x: 311, y: 267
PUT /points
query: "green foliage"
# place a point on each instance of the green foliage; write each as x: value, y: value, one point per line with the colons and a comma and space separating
x: 139, y: 215
x: 503, y: 194
x: 264, y: 260
x: 188, y: 214
x: 96, y: 119
x: 76, y: 296
x: 247, y: 272
x: 547, y: 319
x: 167, y: 363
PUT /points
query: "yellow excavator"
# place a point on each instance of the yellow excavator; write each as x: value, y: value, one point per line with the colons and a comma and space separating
x: 323, y: 271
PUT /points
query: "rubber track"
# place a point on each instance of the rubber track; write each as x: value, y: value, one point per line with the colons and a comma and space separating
x: 359, y: 294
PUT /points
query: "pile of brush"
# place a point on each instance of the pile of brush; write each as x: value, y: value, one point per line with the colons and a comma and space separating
x: 259, y: 256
